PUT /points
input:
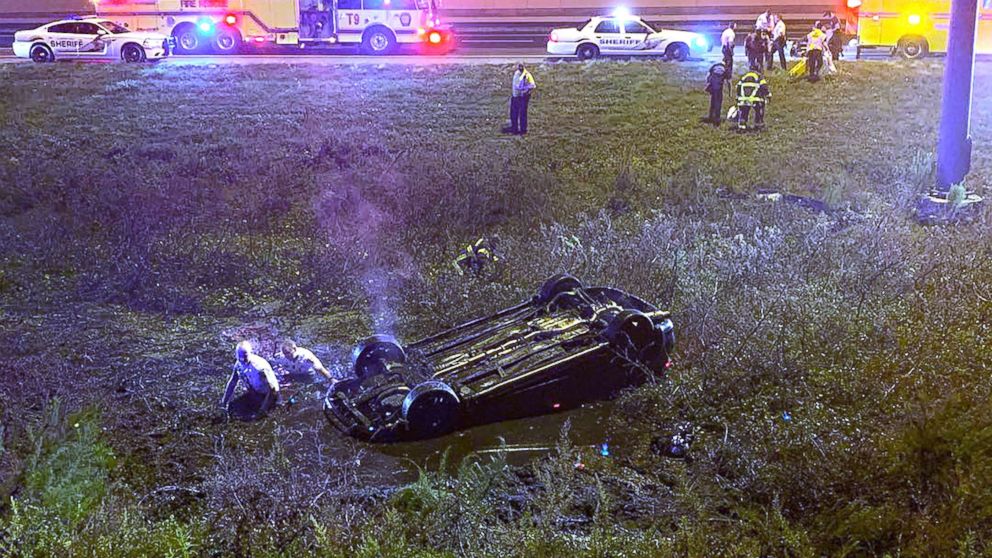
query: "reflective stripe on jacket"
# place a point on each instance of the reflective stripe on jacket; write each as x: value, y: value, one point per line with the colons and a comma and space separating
x: 752, y: 89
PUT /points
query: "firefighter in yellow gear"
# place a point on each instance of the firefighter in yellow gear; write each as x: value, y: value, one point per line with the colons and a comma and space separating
x: 752, y: 94
x: 475, y: 257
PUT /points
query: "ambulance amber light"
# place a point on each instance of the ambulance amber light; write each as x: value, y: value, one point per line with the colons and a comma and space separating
x: 914, y: 19
x: 230, y: 19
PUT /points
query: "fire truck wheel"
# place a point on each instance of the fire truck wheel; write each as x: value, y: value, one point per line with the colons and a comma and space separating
x: 677, y: 51
x: 132, y: 53
x: 556, y: 285
x: 913, y: 47
x: 187, y: 39
x: 373, y: 349
x: 227, y: 41
x: 431, y: 409
x: 378, y: 40
x: 587, y: 51
x: 41, y: 53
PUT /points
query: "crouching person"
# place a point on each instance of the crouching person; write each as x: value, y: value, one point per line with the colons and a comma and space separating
x: 261, y: 387
x: 307, y: 364
x: 752, y: 95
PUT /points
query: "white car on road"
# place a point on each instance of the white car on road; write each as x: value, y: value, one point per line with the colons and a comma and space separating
x: 624, y: 35
x: 89, y: 39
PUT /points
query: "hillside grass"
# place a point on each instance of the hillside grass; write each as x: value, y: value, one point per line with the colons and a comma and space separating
x: 833, y: 366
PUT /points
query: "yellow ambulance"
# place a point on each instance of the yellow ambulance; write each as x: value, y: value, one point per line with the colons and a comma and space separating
x: 913, y: 28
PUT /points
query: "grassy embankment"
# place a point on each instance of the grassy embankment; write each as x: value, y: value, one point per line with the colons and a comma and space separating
x: 834, y: 366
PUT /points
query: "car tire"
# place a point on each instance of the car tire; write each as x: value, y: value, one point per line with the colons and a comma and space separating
x: 132, y: 53
x: 431, y: 409
x: 187, y: 39
x: 378, y: 40
x: 371, y: 351
x: 41, y: 54
x: 677, y: 51
x: 587, y: 51
x: 633, y: 334
x: 913, y: 47
x: 557, y: 284
x: 227, y: 41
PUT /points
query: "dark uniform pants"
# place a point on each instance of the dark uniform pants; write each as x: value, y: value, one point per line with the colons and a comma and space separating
x: 814, y: 61
x: 728, y: 59
x: 745, y: 113
x: 518, y: 113
x: 778, y: 45
x: 716, y: 105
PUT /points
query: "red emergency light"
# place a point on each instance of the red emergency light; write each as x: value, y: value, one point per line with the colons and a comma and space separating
x: 231, y: 19
x: 434, y: 38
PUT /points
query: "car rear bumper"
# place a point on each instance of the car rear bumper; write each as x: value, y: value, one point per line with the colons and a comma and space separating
x: 561, y: 49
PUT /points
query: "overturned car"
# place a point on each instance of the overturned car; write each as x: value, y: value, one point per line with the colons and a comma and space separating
x: 567, y: 345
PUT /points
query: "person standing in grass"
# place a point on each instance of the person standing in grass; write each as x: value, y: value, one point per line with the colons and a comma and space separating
x: 714, y: 86
x: 814, y: 51
x: 727, y: 40
x: 756, y: 47
x: 262, y: 388
x: 778, y: 43
x: 523, y: 85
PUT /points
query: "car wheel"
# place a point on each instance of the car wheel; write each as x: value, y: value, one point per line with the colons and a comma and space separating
x: 187, y: 39
x: 132, y: 53
x: 913, y: 48
x: 633, y: 335
x: 372, y: 351
x: 227, y: 41
x: 431, y: 409
x: 677, y: 51
x: 42, y: 54
x: 556, y: 285
x: 587, y: 52
x: 378, y: 40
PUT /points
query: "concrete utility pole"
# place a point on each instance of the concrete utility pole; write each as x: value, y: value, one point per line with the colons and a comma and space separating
x: 954, y: 141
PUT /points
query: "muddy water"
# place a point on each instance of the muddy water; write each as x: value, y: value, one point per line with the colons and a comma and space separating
x: 523, y: 440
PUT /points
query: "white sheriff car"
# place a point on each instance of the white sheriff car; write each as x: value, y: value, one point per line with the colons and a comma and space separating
x: 626, y: 36
x: 89, y: 39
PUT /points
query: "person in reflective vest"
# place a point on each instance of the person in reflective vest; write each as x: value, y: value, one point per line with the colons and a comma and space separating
x: 475, y: 257
x: 523, y: 84
x: 261, y: 386
x: 714, y: 86
x: 814, y: 51
x: 752, y: 94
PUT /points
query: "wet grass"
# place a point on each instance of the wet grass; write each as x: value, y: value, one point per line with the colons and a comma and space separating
x: 832, y: 366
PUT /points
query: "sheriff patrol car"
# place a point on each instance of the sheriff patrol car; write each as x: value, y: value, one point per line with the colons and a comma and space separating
x: 89, y: 38
x: 624, y: 35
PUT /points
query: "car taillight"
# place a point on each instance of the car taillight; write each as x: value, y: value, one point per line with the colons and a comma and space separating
x: 554, y: 37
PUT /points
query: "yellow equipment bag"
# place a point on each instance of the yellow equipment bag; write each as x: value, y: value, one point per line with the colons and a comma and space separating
x: 799, y: 68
